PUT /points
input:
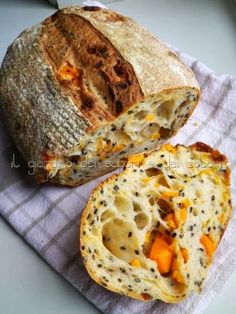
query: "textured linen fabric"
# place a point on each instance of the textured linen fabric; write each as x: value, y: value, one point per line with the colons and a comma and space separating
x: 48, y: 217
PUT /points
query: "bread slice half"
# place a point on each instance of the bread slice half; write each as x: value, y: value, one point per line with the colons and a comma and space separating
x: 151, y: 231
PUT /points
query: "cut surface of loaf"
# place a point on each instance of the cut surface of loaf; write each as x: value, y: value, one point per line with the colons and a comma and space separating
x: 104, y: 88
x: 150, y: 232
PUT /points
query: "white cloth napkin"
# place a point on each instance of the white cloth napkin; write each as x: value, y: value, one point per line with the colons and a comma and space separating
x: 47, y: 217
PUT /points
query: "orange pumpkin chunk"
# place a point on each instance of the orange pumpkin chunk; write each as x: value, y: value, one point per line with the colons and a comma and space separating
x: 208, y: 244
x: 185, y: 254
x: 162, y: 254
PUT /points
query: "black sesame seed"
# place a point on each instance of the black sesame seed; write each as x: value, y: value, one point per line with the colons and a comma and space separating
x: 119, y: 280
x: 82, y: 247
x: 136, y: 252
x: 171, y: 177
x: 173, y: 235
x: 99, y: 265
x: 152, y: 270
x: 136, y: 193
x: 213, y: 197
x: 123, y: 248
x: 130, y: 234
x: 159, y: 165
x: 116, y: 188
x: 162, y: 156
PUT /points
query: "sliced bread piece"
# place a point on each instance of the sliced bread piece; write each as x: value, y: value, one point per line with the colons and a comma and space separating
x: 151, y: 231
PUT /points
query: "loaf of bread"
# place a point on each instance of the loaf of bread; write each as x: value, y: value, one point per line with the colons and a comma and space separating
x: 88, y: 87
x: 150, y: 232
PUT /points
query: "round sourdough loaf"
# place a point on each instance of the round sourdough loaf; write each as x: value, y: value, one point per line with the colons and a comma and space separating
x: 87, y: 87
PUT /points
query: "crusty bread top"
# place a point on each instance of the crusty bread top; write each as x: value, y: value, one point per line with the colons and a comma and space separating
x: 98, y: 79
x: 151, y: 231
x: 156, y: 67
x: 88, y: 66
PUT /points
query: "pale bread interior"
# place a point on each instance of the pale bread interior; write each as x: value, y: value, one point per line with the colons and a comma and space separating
x: 142, y: 128
x: 126, y: 212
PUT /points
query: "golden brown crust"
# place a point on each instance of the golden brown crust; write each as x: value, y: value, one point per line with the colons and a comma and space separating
x: 157, y: 68
x: 88, y: 68
x: 215, y: 154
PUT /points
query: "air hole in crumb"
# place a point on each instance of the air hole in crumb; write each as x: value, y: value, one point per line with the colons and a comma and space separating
x: 151, y: 172
x: 165, y: 133
x: 184, y: 104
x: 137, y: 207
x: 141, y: 220
x: 106, y: 215
x: 164, y: 206
x: 141, y: 114
x: 162, y: 181
x: 165, y: 109
x: 151, y: 131
x: 121, y: 137
x: 151, y: 201
x: 123, y: 203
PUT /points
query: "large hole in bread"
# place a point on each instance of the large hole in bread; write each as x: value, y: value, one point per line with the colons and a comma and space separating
x: 123, y: 203
x: 121, y: 137
x: 162, y: 181
x: 151, y: 131
x: 106, y: 215
x: 164, y: 207
x: 151, y: 172
x: 141, y: 220
x: 141, y: 115
x: 165, y: 109
x: 119, y: 238
x: 151, y: 201
x: 137, y: 207
x: 165, y: 132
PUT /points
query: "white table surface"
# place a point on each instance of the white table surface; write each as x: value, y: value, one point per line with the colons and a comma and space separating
x: 206, y: 29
